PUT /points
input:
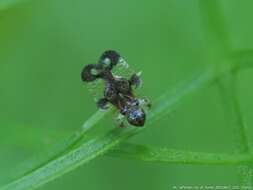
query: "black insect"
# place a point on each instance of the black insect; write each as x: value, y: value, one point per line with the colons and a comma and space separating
x: 118, y: 90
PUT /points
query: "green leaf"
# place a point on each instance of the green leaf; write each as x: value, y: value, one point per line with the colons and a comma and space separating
x: 173, y: 156
x: 71, y: 160
x: 91, y: 149
x: 46, y: 156
x: 242, y: 59
x: 218, y: 33
x: 236, y: 121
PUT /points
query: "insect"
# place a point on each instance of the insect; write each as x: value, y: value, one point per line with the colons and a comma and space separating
x: 118, y: 89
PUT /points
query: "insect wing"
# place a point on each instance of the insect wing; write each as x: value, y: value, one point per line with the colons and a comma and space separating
x: 96, y: 88
x: 122, y: 69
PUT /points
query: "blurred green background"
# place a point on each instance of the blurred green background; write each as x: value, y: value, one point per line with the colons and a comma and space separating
x: 45, y: 44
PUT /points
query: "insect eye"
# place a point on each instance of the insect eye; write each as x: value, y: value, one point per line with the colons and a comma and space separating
x: 136, y: 117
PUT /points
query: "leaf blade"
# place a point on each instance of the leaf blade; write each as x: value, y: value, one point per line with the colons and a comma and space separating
x: 91, y: 149
x: 174, y: 156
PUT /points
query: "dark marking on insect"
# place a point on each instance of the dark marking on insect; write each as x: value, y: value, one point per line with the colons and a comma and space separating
x: 118, y: 90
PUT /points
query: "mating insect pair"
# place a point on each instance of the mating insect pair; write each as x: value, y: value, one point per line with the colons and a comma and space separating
x: 117, y: 89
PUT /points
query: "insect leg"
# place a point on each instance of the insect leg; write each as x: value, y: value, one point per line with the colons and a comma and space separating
x: 135, y: 80
x: 145, y: 102
x: 102, y: 103
x: 121, y: 121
